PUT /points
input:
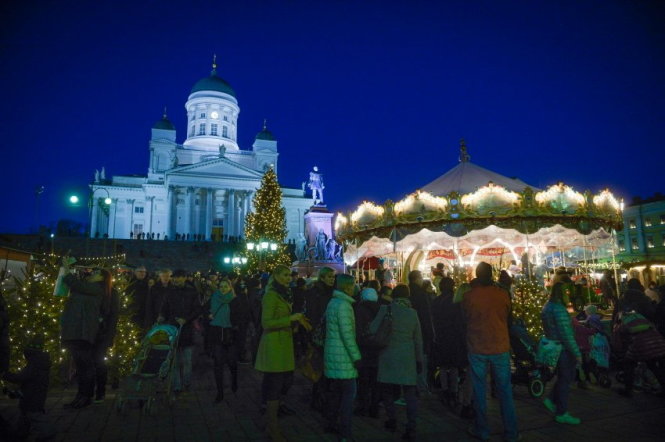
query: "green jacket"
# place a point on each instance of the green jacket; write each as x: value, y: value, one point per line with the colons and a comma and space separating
x: 340, y: 350
x: 275, y: 353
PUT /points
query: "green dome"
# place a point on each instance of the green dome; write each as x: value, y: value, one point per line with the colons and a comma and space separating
x: 213, y: 83
x: 164, y: 124
x: 265, y: 134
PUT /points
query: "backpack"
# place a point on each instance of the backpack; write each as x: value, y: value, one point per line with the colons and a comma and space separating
x: 381, y: 337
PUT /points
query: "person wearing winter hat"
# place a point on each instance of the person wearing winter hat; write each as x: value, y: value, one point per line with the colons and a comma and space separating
x: 369, y: 393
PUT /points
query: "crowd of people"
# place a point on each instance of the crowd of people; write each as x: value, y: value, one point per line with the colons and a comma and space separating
x: 365, y: 346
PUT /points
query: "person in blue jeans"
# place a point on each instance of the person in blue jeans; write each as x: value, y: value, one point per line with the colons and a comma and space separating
x: 486, y: 310
x: 558, y: 326
x: 341, y: 355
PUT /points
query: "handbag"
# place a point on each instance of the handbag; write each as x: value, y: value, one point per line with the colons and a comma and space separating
x: 220, y: 335
x: 381, y: 337
x: 319, y: 332
x: 61, y: 289
x: 548, y: 352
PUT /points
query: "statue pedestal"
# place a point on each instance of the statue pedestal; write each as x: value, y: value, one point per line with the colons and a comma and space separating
x: 318, y: 225
x: 318, y: 219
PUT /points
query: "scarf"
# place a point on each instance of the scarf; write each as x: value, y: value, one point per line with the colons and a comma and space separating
x: 283, y: 291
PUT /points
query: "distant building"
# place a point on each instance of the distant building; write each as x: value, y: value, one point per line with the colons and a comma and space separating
x: 200, y: 188
x: 642, y: 241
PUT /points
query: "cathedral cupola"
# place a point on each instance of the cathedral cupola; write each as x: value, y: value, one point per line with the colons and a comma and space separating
x: 212, y: 114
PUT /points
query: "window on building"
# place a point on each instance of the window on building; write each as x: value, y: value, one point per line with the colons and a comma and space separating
x: 647, y: 222
x: 650, y: 243
x: 213, y: 129
x: 225, y: 131
x: 193, y: 116
x: 631, y: 224
x: 193, y: 131
x: 226, y: 118
x: 622, y: 245
x: 138, y: 229
x: 202, y: 129
x: 138, y: 209
x: 218, y: 222
x: 196, y: 202
x: 633, y: 244
x: 203, y: 114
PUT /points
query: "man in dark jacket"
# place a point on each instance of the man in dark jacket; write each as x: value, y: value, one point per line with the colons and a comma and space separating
x: 104, y: 340
x: 79, y: 325
x: 316, y: 301
x: 156, y: 293
x: 181, y: 308
x: 138, y: 289
x: 240, y: 318
x: 422, y: 303
x: 369, y: 393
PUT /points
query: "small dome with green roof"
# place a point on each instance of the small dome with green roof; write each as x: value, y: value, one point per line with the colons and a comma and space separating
x: 265, y: 134
x: 164, y: 123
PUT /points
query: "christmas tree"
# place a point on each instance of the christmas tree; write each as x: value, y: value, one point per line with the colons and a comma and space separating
x: 267, y: 224
x: 34, y: 311
x: 530, y: 298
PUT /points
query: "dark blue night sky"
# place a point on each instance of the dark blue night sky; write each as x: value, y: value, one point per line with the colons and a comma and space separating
x: 376, y: 93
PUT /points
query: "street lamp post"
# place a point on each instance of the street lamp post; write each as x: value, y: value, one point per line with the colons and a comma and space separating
x: 75, y: 201
x: 262, y: 246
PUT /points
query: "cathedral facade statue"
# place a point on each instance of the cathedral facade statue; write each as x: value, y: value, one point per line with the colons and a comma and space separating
x: 316, y: 184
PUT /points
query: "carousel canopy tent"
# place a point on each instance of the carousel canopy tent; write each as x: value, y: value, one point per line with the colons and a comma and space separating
x: 481, y: 210
x: 468, y: 177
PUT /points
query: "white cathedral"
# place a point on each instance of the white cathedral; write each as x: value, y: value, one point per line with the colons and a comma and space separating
x: 203, y: 186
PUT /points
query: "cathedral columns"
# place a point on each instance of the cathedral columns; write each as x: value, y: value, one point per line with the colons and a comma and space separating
x: 152, y: 211
x: 170, y: 212
x: 189, y: 207
x: 231, y: 212
x: 130, y: 207
x: 209, y: 212
x: 93, y: 221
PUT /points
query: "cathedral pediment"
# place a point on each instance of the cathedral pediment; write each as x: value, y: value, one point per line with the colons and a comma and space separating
x: 218, y: 168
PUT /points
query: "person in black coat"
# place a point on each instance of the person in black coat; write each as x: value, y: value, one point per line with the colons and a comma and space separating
x: 369, y: 393
x: 107, y: 330
x: 156, y: 293
x: 138, y: 289
x: 316, y: 302
x: 33, y: 382
x: 449, y: 349
x: 240, y: 318
x: 634, y: 298
x: 181, y: 307
x: 421, y: 302
x: 79, y: 325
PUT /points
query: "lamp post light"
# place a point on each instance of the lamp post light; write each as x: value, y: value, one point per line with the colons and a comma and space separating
x: 52, y: 240
x: 262, y: 246
x: 75, y: 200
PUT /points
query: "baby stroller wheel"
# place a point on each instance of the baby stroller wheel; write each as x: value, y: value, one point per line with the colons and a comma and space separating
x: 619, y: 377
x: 604, y: 381
x: 536, y: 388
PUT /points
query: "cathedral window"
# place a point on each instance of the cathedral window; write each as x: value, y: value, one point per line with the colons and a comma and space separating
x: 193, y: 116
x: 203, y: 115
x: 138, y: 209
x: 213, y: 129
x: 226, y: 118
x: 225, y: 132
x: 202, y: 129
x: 193, y: 131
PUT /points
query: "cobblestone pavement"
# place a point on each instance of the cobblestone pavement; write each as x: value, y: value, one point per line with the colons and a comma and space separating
x: 606, y: 416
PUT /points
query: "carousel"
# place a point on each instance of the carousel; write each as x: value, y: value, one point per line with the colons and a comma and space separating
x: 472, y: 214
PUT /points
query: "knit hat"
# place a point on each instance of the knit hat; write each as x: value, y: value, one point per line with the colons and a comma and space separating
x: 369, y: 294
x: 590, y: 310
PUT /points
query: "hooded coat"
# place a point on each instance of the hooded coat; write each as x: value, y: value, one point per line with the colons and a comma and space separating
x: 82, y: 311
x: 340, y: 350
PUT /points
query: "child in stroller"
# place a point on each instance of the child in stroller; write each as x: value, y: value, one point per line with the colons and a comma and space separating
x: 527, y: 371
x: 594, y: 346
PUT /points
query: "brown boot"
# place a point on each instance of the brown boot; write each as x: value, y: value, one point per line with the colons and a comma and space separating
x: 274, y: 431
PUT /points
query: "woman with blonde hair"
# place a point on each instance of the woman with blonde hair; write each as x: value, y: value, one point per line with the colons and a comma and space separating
x: 275, y: 356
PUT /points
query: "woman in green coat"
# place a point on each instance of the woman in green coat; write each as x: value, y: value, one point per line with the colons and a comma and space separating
x: 275, y: 356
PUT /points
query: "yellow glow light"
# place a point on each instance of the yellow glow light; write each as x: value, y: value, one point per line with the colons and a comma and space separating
x: 472, y: 199
x: 606, y: 198
x: 366, y: 210
x: 557, y: 190
x: 426, y: 199
x: 340, y: 221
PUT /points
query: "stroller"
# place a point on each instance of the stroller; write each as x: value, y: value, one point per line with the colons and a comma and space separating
x: 528, y: 371
x: 152, y: 369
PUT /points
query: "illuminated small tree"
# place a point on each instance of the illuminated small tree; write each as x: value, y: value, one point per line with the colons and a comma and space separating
x: 267, y: 223
x: 530, y: 298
